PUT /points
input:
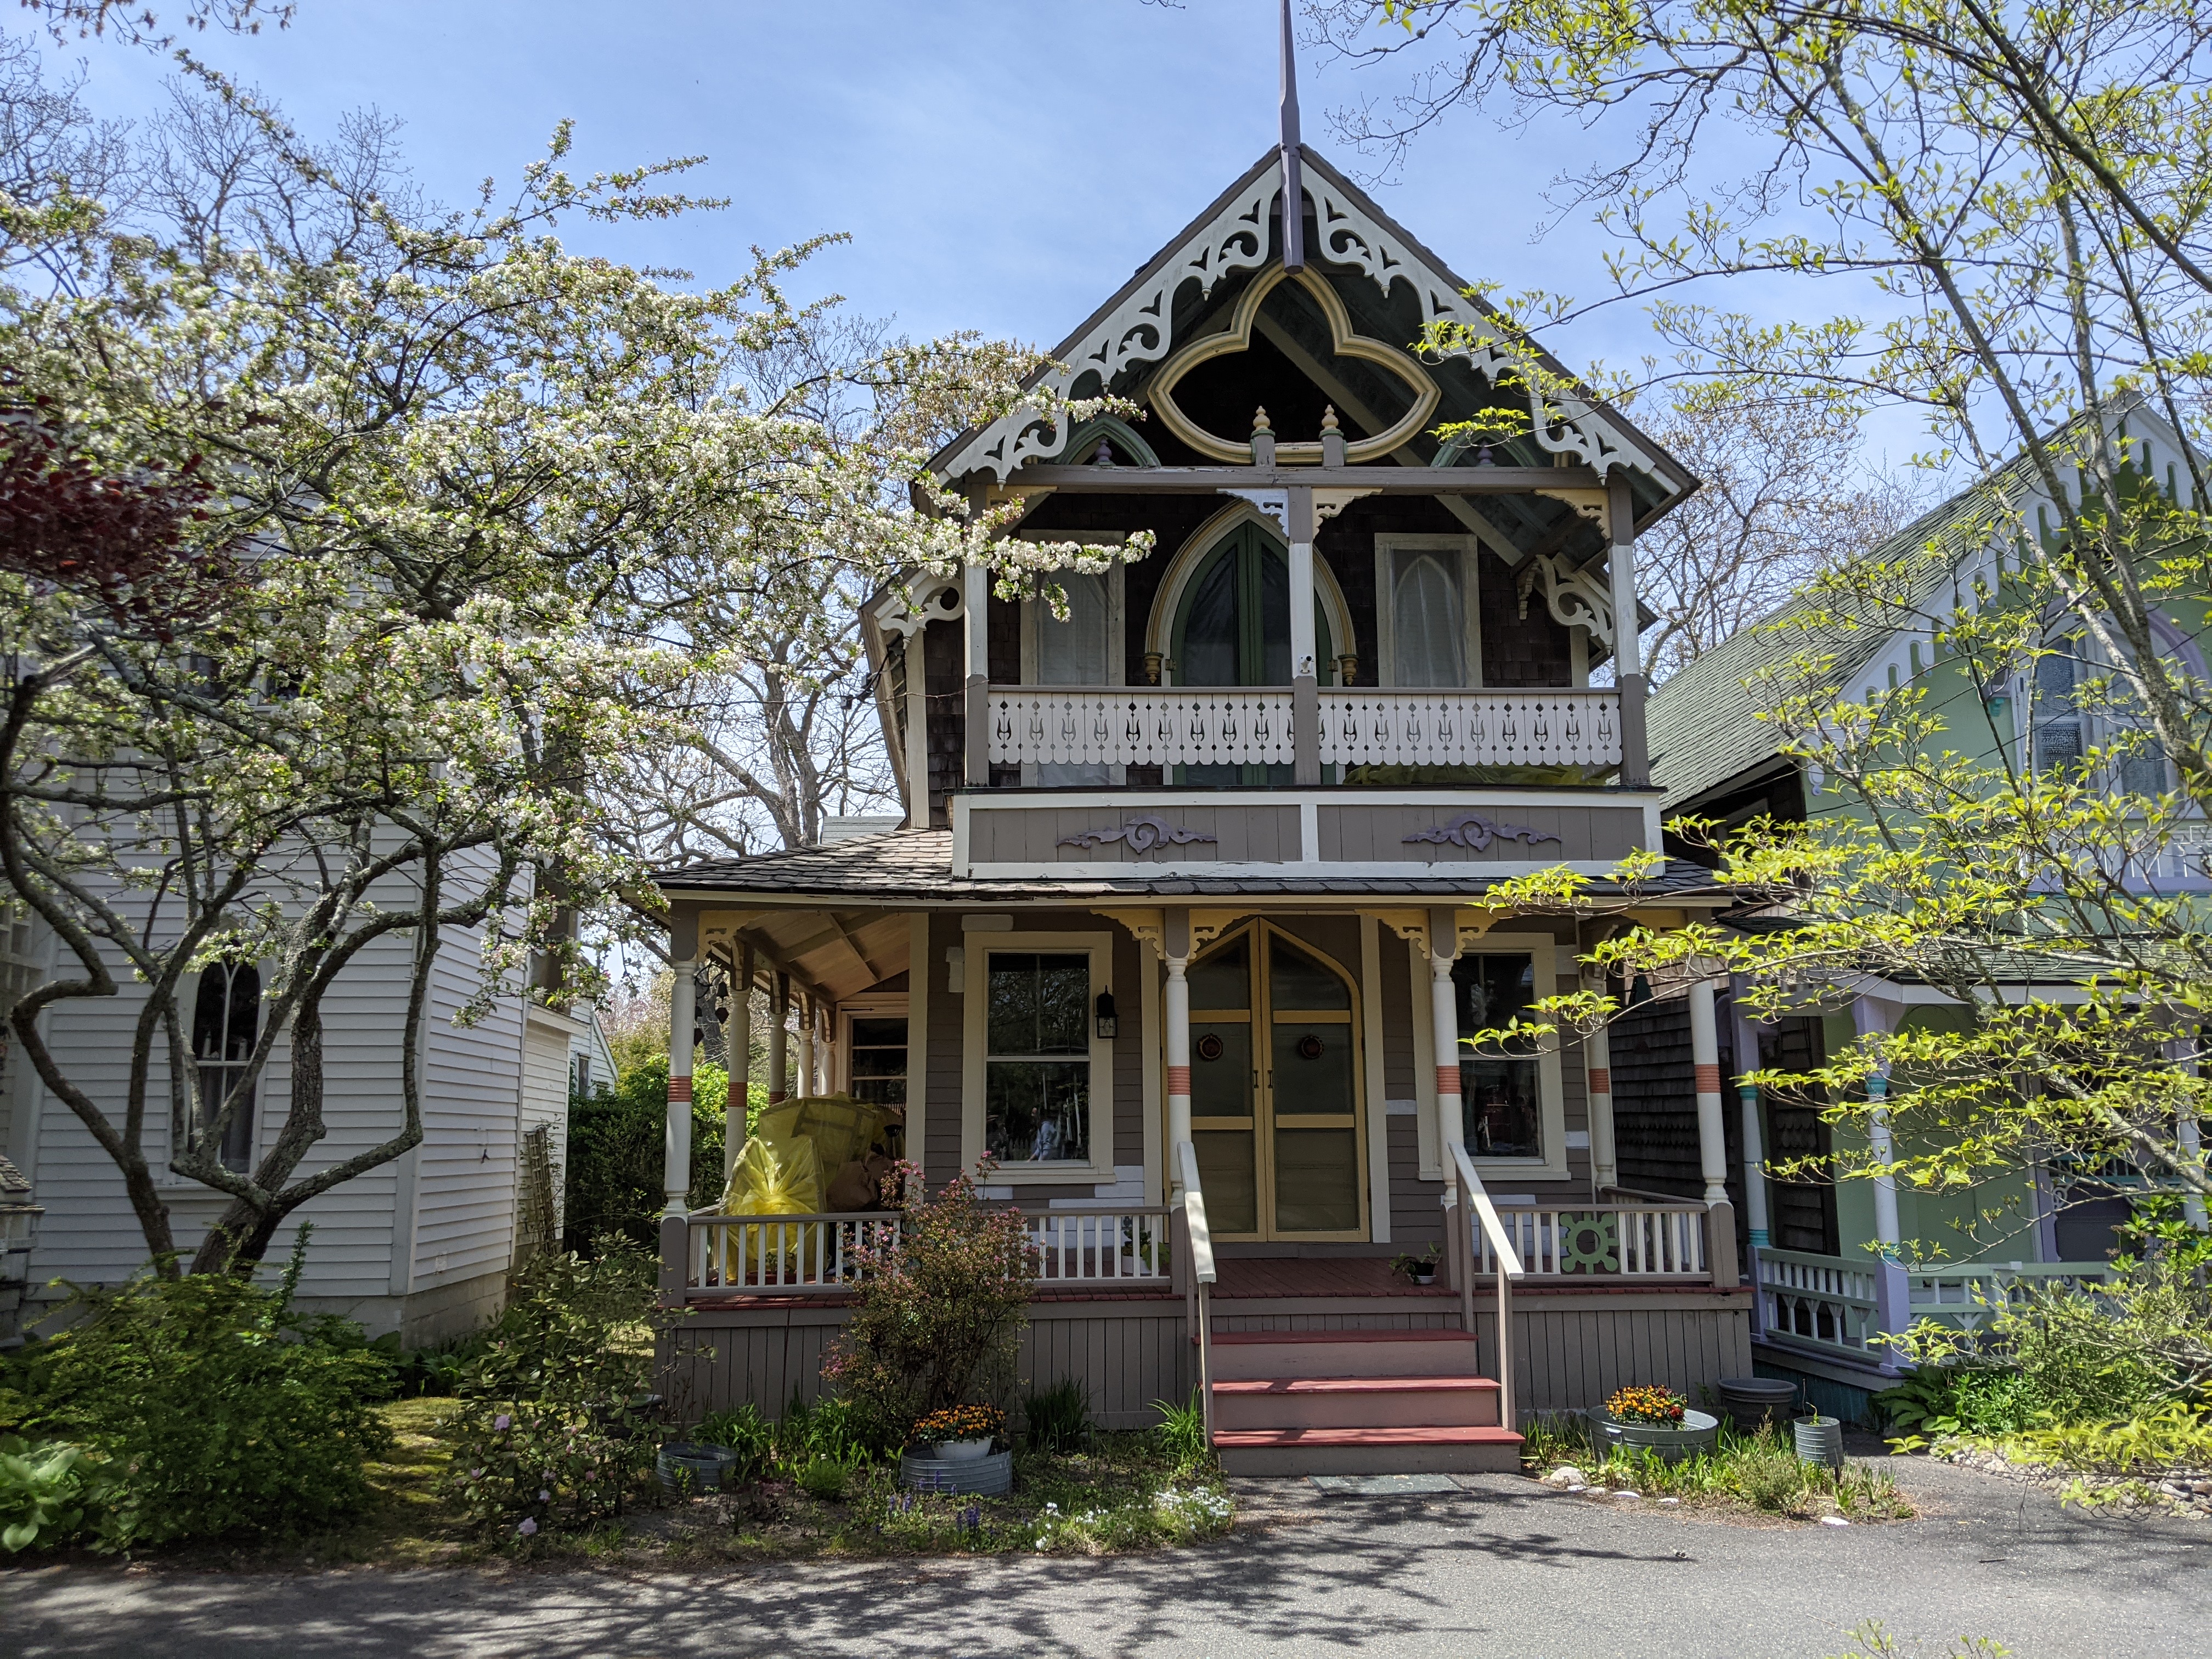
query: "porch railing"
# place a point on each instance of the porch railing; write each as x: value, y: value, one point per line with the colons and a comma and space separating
x: 814, y: 1254
x: 1390, y: 726
x: 1829, y: 1302
x: 1229, y: 725
x: 1477, y: 1226
x: 1139, y: 725
x: 1624, y: 1241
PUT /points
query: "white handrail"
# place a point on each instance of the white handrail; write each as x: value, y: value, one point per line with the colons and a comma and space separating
x: 1475, y: 1205
x: 1202, y: 1272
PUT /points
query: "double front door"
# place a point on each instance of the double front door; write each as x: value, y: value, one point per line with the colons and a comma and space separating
x: 1275, y: 1090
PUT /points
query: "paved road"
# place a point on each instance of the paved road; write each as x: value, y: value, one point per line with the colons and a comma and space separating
x: 1499, y: 1569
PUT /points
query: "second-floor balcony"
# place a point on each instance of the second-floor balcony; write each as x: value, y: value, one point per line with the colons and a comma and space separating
x: 1209, y: 727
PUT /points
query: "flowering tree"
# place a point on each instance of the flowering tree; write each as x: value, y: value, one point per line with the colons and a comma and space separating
x: 481, y: 517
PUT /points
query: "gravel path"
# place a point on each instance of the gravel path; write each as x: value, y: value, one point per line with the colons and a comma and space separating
x: 1498, y: 1567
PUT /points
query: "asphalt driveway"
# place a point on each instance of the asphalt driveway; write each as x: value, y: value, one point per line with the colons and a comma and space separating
x: 1497, y: 1567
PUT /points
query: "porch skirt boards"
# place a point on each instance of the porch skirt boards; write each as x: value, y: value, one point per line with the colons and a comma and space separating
x: 984, y: 1477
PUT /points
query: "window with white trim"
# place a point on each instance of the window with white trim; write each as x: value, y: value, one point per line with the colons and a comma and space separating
x: 226, y: 1025
x: 1425, y: 612
x: 1038, y: 1080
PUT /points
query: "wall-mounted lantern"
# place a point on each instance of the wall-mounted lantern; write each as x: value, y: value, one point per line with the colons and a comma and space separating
x: 1107, y: 1022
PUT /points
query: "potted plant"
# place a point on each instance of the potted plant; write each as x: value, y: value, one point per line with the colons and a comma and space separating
x: 1421, y: 1269
x: 1657, y: 1419
x: 959, y: 1434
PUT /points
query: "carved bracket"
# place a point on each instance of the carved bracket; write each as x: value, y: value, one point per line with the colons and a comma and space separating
x: 1327, y: 503
x: 1275, y: 503
x: 932, y: 599
x: 1574, y: 598
x: 1476, y: 832
x: 1139, y: 836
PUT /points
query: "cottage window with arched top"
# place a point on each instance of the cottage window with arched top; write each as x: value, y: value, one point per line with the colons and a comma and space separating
x: 226, y: 1025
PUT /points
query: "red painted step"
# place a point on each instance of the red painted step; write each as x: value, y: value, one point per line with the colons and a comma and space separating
x: 1367, y: 1451
x: 1266, y: 1355
x: 1356, y: 1402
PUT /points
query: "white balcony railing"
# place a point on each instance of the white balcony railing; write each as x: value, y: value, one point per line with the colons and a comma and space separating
x: 1624, y: 1241
x: 1243, y: 725
x: 1394, y: 727
x: 1829, y: 1301
x: 1139, y: 725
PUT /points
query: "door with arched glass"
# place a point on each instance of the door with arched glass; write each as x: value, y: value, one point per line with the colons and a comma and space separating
x: 1275, y: 1090
x: 1232, y: 627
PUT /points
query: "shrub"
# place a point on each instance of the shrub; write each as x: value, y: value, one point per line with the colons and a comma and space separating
x: 216, y: 1407
x: 825, y: 1478
x: 45, y: 1491
x: 938, y: 1318
x: 1058, y: 1417
x: 552, y: 1430
x: 2174, y: 1437
x: 831, y: 1428
x: 746, y: 1433
x: 612, y: 1182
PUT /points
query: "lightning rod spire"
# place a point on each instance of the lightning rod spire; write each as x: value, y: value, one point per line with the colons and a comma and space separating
x: 1294, y: 209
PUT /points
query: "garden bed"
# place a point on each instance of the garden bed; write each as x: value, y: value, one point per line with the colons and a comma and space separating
x: 1743, y: 1476
x: 2183, y: 1491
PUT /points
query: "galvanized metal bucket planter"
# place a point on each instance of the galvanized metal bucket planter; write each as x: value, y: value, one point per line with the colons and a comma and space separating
x: 1821, y: 1440
x: 1698, y: 1431
x: 990, y: 1476
x: 687, y: 1468
x: 1754, y: 1402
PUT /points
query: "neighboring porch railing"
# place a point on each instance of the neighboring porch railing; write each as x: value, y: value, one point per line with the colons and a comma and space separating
x: 1389, y: 726
x: 812, y: 1254
x: 1197, y: 1255
x: 1234, y: 726
x: 1476, y: 1218
x: 1624, y: 1241
x: 1139, y: 725
x: 1828, y: 1303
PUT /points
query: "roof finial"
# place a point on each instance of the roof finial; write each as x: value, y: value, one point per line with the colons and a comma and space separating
x: 1294, y: 200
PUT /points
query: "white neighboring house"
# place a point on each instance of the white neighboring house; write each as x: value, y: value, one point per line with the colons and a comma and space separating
x: 422, y: 1245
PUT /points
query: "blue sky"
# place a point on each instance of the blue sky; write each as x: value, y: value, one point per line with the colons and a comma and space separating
x: 1001, y: 165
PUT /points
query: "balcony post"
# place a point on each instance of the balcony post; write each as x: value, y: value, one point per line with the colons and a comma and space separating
x: 1627, y: 650
x: 975, y: 592
x: 676, y: 1144
x: 1305, y: 678
x: 917, y: 728
x: 1175, y: 938
x: 1712, y: 1137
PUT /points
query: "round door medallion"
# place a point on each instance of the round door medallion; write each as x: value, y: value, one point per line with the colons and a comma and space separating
x: 1209, y: 1047
x: 1310, y: 1045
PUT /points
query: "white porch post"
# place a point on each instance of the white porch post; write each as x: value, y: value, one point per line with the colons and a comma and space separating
x: 1627, y: 650
x: 676, y: 1149
x: 1892, y: 1292
x: 1176, y: 941
x: 779, y: 1015
x: 738, y: 1043
x: 1712, y: 1138
x: 917, y: 729
x: 1705, y: 1063
x: 807, y: 1017
x: 1305, y: 683
x: 1597, y: 1074
x: 1443, y: 1013
x: 976, y: 589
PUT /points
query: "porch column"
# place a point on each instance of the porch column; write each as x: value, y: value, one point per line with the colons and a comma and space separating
x: 1597, y: 1077
x: 1305, y: 683
x: 917, y: 729
x: 1754, y: 1148
x: 975, y: 588
x: 1175, y: 937
x: 806, y: 1045
x: 1443, y: 1013
x: 1712, y: 1138
x: 1627, y: 650
x: 676, y: 1146
x: 778, y: 1014
x: 738, y: 1043
x: 1892, y: 1292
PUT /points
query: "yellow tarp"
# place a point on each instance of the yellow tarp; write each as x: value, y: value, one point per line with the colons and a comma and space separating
x: 840, y: 1127
x: 770, y: 1178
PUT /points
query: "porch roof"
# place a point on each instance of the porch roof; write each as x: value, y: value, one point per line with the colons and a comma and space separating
x: 913, y: 869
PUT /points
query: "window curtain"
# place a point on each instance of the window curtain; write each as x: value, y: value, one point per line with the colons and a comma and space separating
x: 1428, y: 628
x: 1072, y: 653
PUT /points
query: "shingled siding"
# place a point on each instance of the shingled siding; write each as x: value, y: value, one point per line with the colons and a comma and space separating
x: 1655, y: 1099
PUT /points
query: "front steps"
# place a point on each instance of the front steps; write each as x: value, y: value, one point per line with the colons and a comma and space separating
x: 1356, y: 1402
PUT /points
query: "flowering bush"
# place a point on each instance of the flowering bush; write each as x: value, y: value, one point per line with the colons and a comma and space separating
x: 543, y: 1464
x: 960, y: 1423
x: 938, y: 1317
x: 1644, y: 1402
